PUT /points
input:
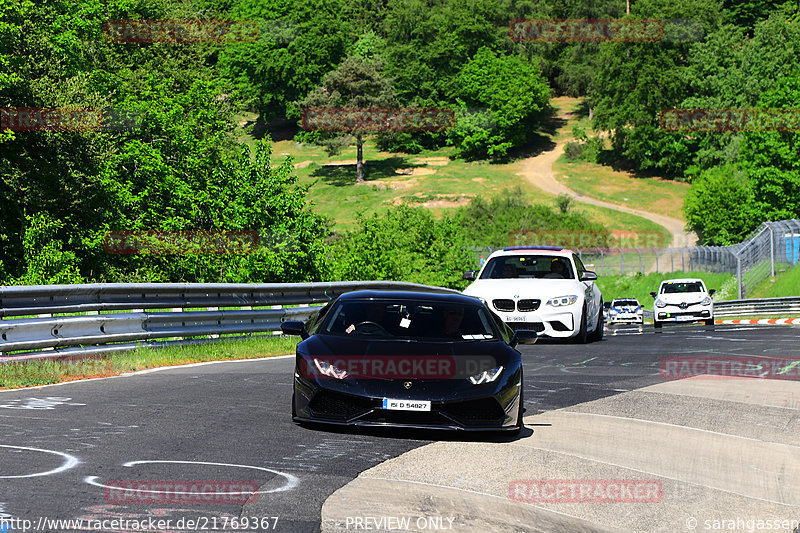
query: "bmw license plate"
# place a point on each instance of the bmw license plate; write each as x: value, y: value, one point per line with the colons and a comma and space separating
x: 406, y: 405
x: 516, y: 318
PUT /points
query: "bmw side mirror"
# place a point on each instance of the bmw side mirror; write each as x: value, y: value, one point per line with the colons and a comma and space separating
x: 711, y: 292
x: 469, y: 275
x: 294, y: 327
x: 524, y: 336
x: 588, y: 275
x: 653, y: 294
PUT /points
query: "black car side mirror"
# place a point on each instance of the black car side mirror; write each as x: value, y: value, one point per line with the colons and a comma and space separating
x: 469, y: 275
x: 524, y: 336
x: 588, y: 275
x: 294, y: 327
x: 711, y: 292
x: 653, y: 294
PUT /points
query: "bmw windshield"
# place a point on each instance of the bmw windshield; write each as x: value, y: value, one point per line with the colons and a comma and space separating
x: 528, y: 266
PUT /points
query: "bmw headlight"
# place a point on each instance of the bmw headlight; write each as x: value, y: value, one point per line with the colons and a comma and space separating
x: 706, y: 301
x: 327, y: 369
x: 487, y: 376
x: 562, y: 300
x: 660, y: 303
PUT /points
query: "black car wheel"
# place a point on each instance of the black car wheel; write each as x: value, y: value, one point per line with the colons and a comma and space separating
x: 597, y: 334
x: 583, y: 336
x: 657, y: 325
x: 520, y: 424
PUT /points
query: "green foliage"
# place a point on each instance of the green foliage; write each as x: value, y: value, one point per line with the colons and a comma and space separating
x: 509, y: 95
x: 403, y: 243
x: 45, y: 260
x: 493, y: 222
x: 178, y: 169
x: 271, y: 74
x: 718, y: 207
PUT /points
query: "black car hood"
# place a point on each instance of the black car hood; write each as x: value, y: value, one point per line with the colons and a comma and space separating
x: 334, y: 345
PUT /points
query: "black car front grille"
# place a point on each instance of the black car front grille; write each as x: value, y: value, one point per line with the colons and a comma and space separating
x: 329, y: 404
x: 503, y: 305
x: 526, y: 306
x: 538, y: 327
x: 473, y: 411
x: 412, y: 418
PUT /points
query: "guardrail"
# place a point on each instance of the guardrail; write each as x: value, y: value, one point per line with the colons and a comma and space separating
x: 758, y: 306
x: 81, y: 320
x: 102, y: 318
x: 753, y: 306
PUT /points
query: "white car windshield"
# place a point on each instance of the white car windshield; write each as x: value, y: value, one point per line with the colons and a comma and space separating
x: 683, y: 286
x: 626, y: 303
x: 528, y: 266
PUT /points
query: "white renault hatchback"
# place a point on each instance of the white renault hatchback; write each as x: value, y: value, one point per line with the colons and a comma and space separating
x: 543, y: 288
x: 682, y: 300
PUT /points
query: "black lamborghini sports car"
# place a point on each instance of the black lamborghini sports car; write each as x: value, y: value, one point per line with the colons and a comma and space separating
x: 410, y: 359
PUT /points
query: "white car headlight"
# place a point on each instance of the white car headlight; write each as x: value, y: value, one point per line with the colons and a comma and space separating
x: 487, y: 376
x: 660, y: 303
x: 327, y: 369
x: 562, y: 300
x: 706, y: 301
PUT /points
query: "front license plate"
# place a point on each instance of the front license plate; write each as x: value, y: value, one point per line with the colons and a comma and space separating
x: 406, y: 405
x: 516, y: 318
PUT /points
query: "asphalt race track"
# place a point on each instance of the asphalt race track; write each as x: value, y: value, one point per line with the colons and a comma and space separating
x: 230, y: 423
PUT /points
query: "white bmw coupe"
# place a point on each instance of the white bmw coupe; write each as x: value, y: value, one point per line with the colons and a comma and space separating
x: 543, y: 288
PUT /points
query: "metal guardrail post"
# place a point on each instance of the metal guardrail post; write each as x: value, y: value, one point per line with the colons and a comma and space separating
x: 739, y: 276
x: 771, y: 252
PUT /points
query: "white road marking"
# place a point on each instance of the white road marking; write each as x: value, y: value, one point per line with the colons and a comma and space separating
x: 291, y: 481
x: 70, y: 461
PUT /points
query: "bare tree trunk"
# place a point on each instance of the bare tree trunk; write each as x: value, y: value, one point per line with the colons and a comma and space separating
x: 360, y: 159
x: 627, y: 6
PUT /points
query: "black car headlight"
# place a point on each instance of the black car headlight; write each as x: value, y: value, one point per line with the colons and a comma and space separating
x: 327, y: 369
x: 487, y: 376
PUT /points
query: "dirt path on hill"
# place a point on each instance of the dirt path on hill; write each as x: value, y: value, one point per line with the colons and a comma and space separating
x: 539, y: 171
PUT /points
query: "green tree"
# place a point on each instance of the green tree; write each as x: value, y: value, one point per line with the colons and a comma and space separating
x: 719, y: 206
x: 402, y: 243
x: 271, y: 74
x: 355, y: 84
x: 512, y: 94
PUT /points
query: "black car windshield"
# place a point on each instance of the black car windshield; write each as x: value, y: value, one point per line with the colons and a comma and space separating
x: 686, y: 286
x: 626, y: 303
x: 528, y: 266
x: 392, y: 319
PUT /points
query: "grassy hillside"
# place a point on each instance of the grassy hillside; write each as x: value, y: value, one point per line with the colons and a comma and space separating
x: 783, y: 284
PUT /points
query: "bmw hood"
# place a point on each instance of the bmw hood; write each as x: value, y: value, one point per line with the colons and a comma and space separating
x: 542, y: 289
